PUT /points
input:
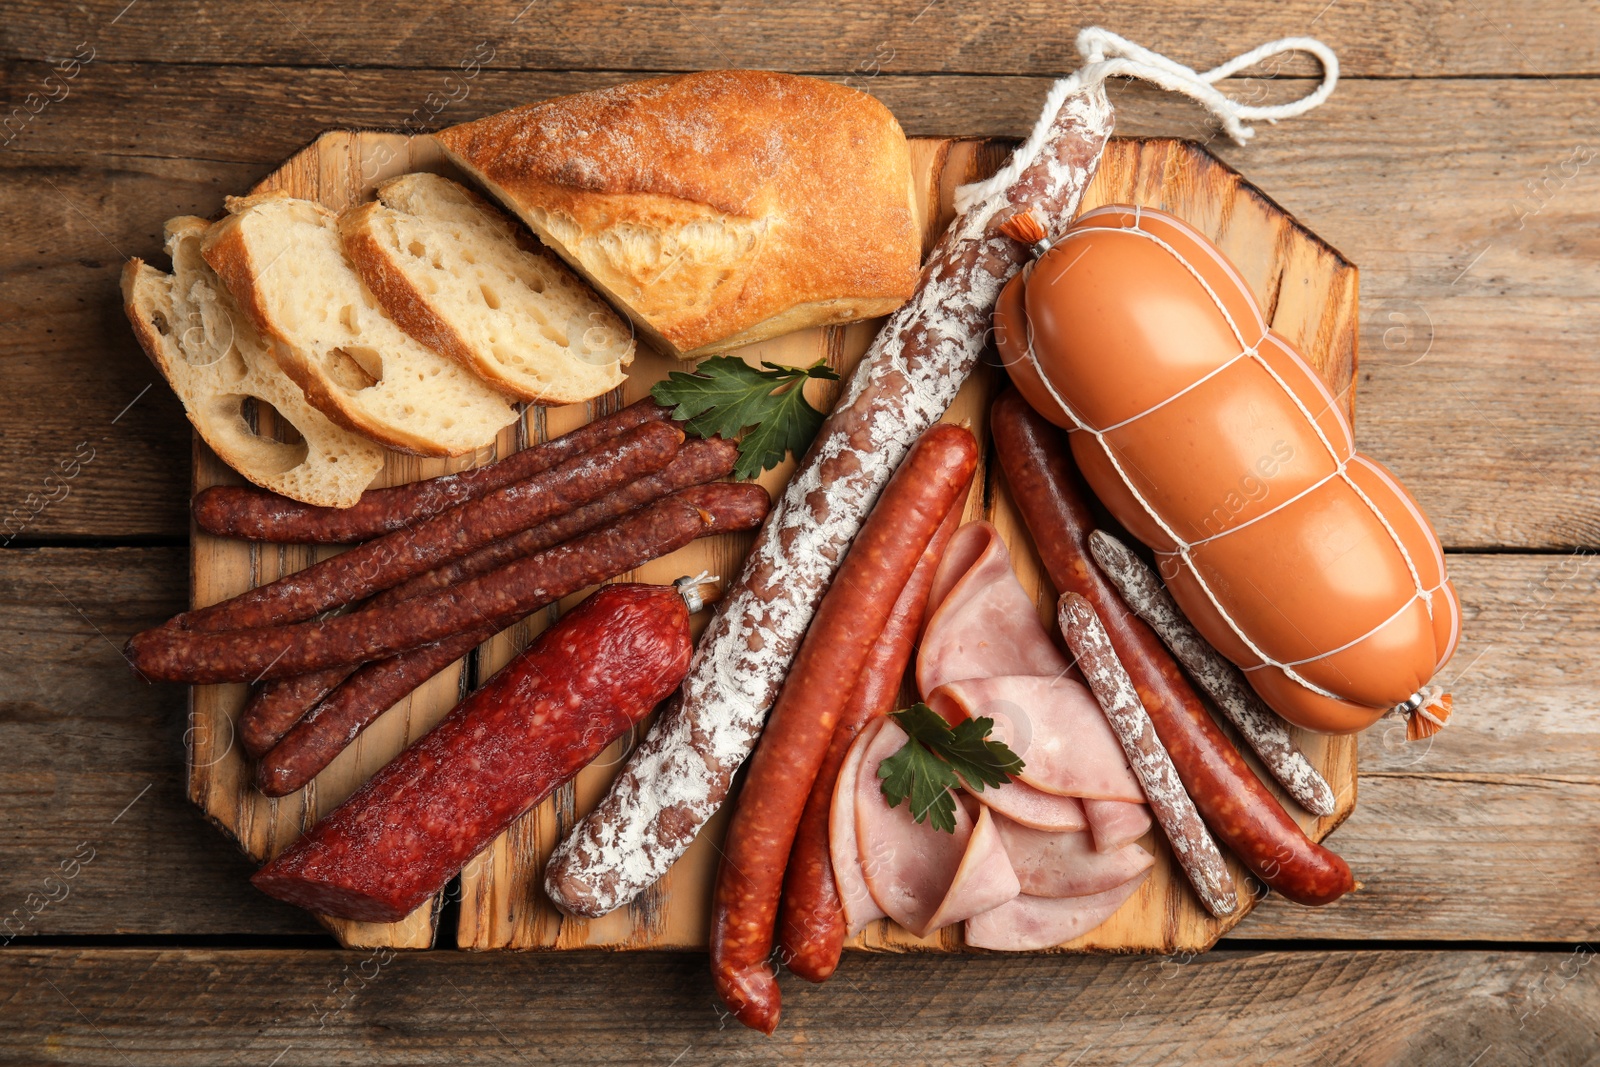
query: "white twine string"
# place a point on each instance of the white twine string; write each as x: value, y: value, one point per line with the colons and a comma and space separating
x: 1106, y: 55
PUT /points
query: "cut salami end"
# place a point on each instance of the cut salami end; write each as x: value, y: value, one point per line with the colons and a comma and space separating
x: 534, y: 725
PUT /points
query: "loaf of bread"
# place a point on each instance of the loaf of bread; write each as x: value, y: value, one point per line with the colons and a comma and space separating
x: 716, y: 209
x: 471, y: 284
x: 215, y: 360
x: 282, y: 260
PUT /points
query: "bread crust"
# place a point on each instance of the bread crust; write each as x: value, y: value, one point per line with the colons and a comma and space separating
x: 329, y: 467
x: 707, y: 205
x: 408, y: 307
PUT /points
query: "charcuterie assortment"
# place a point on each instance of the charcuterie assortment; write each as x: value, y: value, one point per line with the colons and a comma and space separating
x: 879, y: 647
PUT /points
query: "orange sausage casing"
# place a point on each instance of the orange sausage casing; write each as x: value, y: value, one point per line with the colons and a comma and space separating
x: 932, y: 480
x: 1213, y: 442
x: 811, y: 928
x: 1243, y: 814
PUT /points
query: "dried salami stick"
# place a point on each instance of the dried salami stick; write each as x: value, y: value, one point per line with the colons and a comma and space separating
x: 277, y: 705
x: 396, y: 557
x: 679, y: 775
x: 1191, y: 842
x: 496, y: 599
x: 1261, y: 728
x: 262, y: 515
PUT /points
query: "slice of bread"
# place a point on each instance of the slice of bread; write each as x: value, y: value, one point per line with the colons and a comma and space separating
x: 715, y: 209
x: 214, y: 360
x: 461, y: 277
x: 281, y: 259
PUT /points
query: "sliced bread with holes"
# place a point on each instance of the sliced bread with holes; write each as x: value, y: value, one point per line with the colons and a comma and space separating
x: 281, y: 259
x: 215, y: 360
x: 464, y: 279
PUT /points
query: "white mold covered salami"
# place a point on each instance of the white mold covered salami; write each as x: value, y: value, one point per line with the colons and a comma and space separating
x: 680, y: 774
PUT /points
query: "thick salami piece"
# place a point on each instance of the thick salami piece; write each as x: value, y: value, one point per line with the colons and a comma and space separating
x: 1258, y: 724
x: 1175, y: 812
x: 744, y: 906
x: 394, y: 558
x: 679, y: 775
x: 494, y: 600
x: 277, y: 705
x: 1242, y: 812
x: 534, y: 725
x: 811, y: 922
x: 260, y: 515
x: 329, y: 727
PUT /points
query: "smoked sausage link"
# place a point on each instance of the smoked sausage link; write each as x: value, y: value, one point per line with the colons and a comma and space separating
x: 811, y: 926
x: 495, y: 600
x: 744, y: 908
x: 580, y: 685
x: 259, y: 515
x: 404, y: 554
x: 1242, y: 813
x: 277, y: 705
x: 329, y: 727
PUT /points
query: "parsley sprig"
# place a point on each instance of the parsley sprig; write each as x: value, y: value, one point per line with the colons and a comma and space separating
x: 765, y: 407
x: 936, y: 758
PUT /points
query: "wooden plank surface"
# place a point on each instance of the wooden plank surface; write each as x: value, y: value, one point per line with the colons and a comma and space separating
x: 1490, y: 833
x: 1477, y: 256
x: 1307, y: 290
x: 285, y: 1008
x: 1477, y: 384
x: 1408, y: 39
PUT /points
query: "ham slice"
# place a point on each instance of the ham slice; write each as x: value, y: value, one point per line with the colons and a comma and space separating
x: 980, y: 621
x: 984, y: 881
x: 1028, y: 923
x: 1058, y: 730
x: 909, y: 866
x: 1066, y: 865
x: 1115, y: 823
x: 1036, y: 808
x: 843, y: 848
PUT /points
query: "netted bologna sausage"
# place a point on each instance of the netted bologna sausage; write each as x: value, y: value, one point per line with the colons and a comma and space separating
x: 579, y: 686
x: 1212, y: 441
x: 260, y: 515
x: 755, y: 851
x: 1262, y: 730
x: 495, y: 600
x: 1242, y: 812
x: 277, y: 705
x: 679, y: 775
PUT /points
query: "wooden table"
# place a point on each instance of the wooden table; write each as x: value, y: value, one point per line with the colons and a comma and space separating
x: 1456, y: 164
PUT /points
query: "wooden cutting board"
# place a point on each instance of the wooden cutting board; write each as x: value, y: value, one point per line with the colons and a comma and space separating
x: 1307, y: 288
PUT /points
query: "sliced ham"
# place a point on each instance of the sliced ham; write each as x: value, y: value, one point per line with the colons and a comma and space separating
x: 980, y: 621
x: 1034, y: 807
x: 909, y: 866
x: 1028, y: 923
x: 1115, y: 823
x: 1058, y: 730
x: 984, y: 881
x: 1066, y: 865
x: 843, y: 849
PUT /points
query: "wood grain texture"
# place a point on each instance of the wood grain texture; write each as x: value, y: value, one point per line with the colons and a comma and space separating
x: 286, y: 1008
x: 1307, y: 289
x: 1492, y: 832
x: 1412, y: 39
x: 1477, y: 383
x: 93, y: 760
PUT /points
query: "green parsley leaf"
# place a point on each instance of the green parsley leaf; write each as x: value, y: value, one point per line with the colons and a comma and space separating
x: 936, y: 758
x: 765, y: 409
